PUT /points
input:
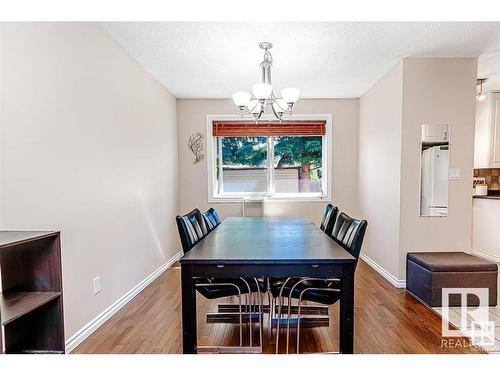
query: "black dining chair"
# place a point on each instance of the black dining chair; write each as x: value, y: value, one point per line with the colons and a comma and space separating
x: 192, y: 229
x: 212, y: 221
x: 326, y: 225
x: 349, y: 233
x: 329, y: 217
x: 211, y: 218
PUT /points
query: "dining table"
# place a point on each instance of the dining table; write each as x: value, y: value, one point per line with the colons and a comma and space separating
x: 276, y: 247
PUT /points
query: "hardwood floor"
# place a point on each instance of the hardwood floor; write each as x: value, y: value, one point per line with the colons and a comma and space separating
x: 387, y: 321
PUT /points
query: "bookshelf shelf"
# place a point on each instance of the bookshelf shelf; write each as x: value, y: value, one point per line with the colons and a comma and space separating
x: 15, y: 305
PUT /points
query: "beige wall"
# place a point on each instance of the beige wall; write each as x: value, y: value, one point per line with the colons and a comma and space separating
x: 193, y: 178
x: 416, y: 91
x: 380, y: 111
x: 89, y: 147
x: 438, y: 91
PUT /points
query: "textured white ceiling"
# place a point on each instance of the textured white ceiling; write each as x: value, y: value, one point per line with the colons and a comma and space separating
x: 324, y: 60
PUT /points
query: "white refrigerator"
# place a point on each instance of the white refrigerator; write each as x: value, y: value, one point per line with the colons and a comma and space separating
x: 435, y: 175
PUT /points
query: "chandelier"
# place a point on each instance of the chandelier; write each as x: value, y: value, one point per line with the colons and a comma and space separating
x: 263, y: 93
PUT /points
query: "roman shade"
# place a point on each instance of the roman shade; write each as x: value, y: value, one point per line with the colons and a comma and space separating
x: 267, y: 128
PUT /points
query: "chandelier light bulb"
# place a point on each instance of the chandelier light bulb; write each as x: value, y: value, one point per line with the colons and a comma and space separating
x: 262, y: 91
x: 290, y: 95
x: 480, y: 97
x: 241, y: 98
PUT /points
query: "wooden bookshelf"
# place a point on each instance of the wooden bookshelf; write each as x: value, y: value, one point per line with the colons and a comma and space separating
x: 31, y: 299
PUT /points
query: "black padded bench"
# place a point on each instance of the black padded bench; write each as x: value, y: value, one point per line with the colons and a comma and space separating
x: 427, y: 273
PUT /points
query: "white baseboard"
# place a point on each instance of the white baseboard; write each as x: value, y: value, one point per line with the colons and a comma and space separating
x: 381, y: 270
x: 488, y: 256
x: 100, y: 319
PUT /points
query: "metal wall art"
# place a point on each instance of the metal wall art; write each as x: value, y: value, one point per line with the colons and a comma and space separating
x: 195, y: 144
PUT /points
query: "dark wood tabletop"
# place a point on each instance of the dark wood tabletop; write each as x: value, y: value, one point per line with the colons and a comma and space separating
x: 267, y: 239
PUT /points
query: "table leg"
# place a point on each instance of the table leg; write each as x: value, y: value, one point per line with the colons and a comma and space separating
x: 188, y: 310
x: 347, y: 311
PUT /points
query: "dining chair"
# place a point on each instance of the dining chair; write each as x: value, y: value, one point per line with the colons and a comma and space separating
x: 326, y: 225
x: 211, y: 219
x: 329, y: 217
x: 192, y: 229
x: 349, y: 233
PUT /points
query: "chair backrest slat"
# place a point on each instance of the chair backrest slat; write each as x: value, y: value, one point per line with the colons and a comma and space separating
x: 329, y: 217
x: 349, y: 233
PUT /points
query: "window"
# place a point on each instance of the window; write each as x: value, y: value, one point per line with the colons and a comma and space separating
x: 244, y: 165
x: 269, y: 159
x: 297, y: 164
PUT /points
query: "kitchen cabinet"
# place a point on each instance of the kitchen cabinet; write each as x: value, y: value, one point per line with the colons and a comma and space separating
x: 487, y: 132
x: 485, y: 234
x: 434, y: 133
x: 495, y: 130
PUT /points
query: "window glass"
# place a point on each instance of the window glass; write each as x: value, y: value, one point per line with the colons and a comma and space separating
x: 298, y: 164
x: 244, y: 164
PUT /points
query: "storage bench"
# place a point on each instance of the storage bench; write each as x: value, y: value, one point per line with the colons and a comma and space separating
x: 427, y: 273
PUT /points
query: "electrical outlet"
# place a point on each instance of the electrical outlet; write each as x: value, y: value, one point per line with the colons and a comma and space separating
x: 97, y: 284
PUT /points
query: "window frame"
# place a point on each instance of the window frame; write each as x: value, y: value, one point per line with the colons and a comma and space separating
x: 211, y: 150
